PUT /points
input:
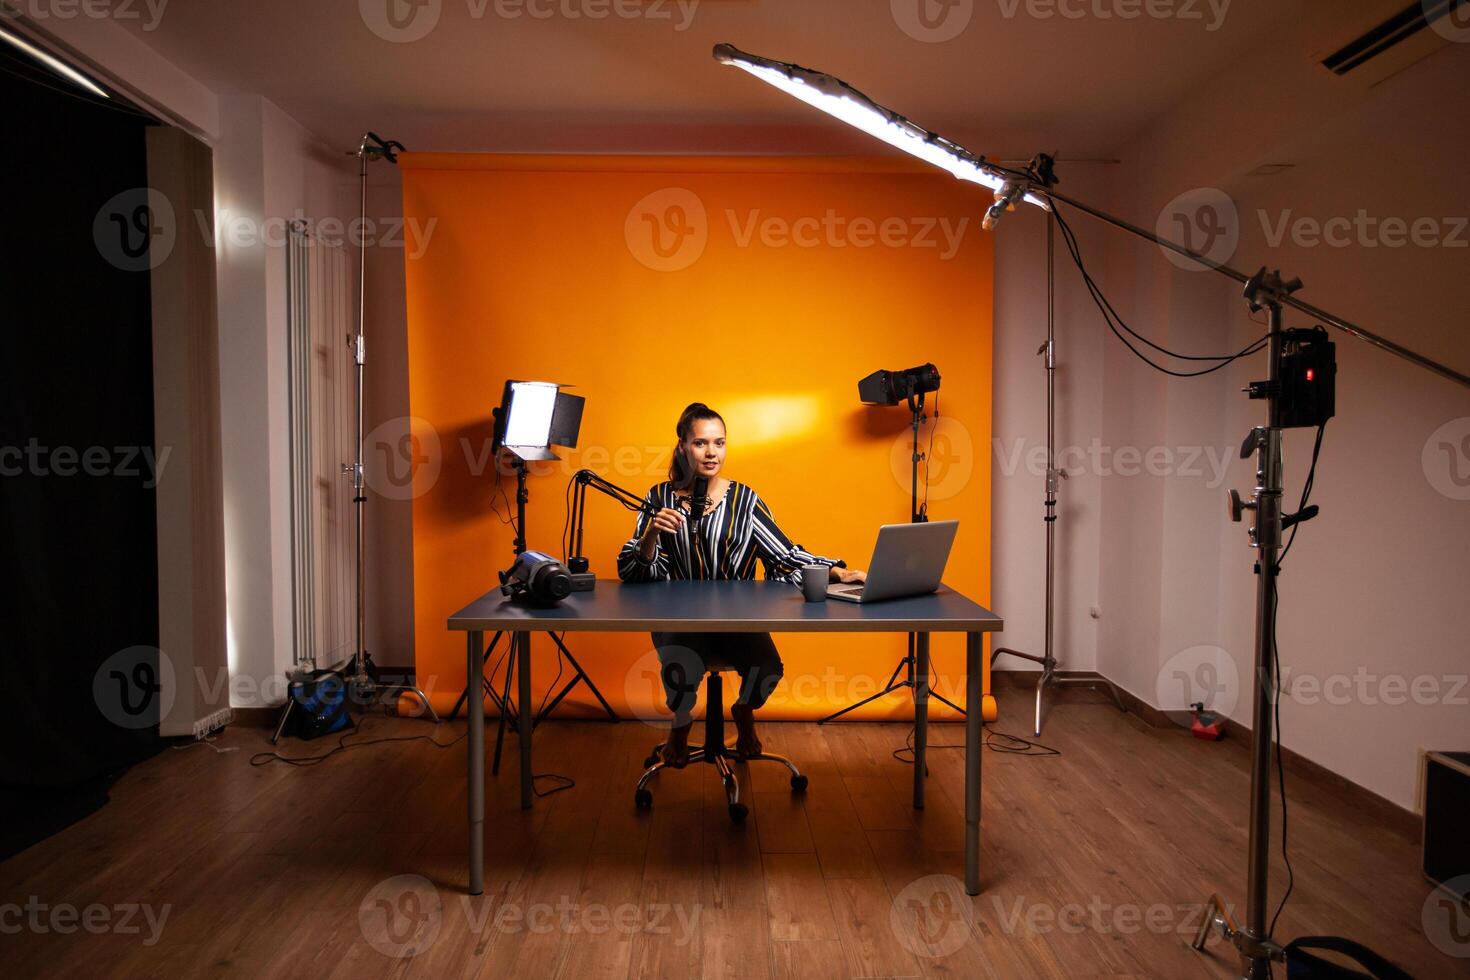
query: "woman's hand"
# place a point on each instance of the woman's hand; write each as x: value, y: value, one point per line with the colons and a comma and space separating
x: 848, y: 576
x: 666, y: 520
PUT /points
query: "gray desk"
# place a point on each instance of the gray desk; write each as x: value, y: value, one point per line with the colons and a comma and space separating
x: 725, y: 607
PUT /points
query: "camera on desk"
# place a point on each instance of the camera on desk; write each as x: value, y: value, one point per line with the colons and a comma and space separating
x: 536, y: 579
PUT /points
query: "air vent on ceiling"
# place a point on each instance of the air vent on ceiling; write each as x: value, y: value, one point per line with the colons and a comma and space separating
x: 1373, y: 40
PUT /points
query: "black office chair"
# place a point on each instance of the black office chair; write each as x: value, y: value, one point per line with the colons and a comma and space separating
x: 714, y: 751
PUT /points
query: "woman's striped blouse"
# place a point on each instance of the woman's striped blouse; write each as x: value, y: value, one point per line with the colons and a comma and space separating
x: 739, y: 530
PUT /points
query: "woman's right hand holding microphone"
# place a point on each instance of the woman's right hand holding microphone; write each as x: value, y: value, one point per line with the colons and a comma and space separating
x: 666, y: 520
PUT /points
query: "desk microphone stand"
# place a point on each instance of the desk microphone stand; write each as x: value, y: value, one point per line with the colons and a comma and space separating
x: 916, y: 661
x: 508, y: 710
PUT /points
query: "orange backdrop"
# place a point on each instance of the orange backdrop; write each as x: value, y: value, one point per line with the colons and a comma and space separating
x: 763, y: 286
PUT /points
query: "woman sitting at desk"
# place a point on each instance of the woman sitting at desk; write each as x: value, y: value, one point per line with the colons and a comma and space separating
x: 737, y: 528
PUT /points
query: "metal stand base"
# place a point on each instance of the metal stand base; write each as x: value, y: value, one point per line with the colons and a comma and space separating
x: 894, y: 684
x: 363, y: 687
x: 1049, y: 676
x: 506, y: 706
x: 1256, y: 953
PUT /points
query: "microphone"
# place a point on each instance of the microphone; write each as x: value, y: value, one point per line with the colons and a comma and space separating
x: 698, y: 501
x: 1005, y: 200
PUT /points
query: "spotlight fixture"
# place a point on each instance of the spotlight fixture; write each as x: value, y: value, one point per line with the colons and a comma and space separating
x: 892, y: 387
x: 52, y: 62
x: 840, y: 100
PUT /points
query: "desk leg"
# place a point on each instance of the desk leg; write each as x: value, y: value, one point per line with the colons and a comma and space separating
x: 474, y: 676
x: 525, y: 715
x: 974, y: 750
x: 921, y: 716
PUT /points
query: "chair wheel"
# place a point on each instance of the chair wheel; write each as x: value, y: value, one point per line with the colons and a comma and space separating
x: 643, y: 799
x: 738, y: 812
x: 649, y: 761
x: 798, y: 784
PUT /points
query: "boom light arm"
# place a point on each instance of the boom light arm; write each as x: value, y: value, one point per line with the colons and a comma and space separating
x: 840, y: 100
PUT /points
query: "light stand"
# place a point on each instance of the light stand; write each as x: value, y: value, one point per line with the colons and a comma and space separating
x: 1054, y: 476
x: 916, y: 660
x: 1264, y: 289
x: 362, y: 675
x: 562, y: 428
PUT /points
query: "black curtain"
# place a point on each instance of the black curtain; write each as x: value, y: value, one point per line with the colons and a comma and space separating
x: 79, y: 664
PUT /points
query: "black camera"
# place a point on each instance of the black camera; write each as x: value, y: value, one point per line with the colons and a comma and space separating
x: 537, y: 579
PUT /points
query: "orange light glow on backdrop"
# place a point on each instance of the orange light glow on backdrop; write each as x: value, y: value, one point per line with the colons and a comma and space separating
x: 765, y: 287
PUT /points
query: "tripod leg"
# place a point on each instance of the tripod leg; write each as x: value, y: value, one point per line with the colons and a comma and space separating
x: 510, y: 666
x: 285, y: 715
x: 944, y: 700
x: 582, y: 676
x: 853, y: 707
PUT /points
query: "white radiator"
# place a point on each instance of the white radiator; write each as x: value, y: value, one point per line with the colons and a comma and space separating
x: 322, y: 433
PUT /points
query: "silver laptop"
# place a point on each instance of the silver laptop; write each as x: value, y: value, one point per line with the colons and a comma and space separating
x: 908, y: 560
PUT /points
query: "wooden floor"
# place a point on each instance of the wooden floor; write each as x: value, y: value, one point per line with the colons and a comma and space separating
x: 1094, y: 863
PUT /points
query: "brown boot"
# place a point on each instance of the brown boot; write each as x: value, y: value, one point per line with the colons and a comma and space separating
x: 675, y: 752
x: 747, y: 744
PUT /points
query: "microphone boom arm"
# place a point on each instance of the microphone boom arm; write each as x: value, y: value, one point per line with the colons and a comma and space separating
x: 587, y: 478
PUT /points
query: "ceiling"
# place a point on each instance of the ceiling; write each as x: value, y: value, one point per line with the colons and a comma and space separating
x: 1017, y: 76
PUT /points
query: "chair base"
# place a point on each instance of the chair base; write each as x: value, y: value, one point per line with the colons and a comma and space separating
x: 721, y: 756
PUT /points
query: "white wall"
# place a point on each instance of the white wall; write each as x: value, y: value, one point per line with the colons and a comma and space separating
x: 1373, y: 590
x: 268, y: 169
x: 1018, y: 553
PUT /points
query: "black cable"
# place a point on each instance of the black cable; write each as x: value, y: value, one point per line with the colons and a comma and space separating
x: 1306, y: 492
x: 1280, y: 768
x: 509, y: 517
x: 266, y: 758
x: 933, y: 424
x: 1276, y: 662
x: 1114, y: 321
x: 1015, y: 745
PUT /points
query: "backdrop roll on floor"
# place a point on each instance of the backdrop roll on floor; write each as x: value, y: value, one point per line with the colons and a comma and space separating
x: 763, y: 286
